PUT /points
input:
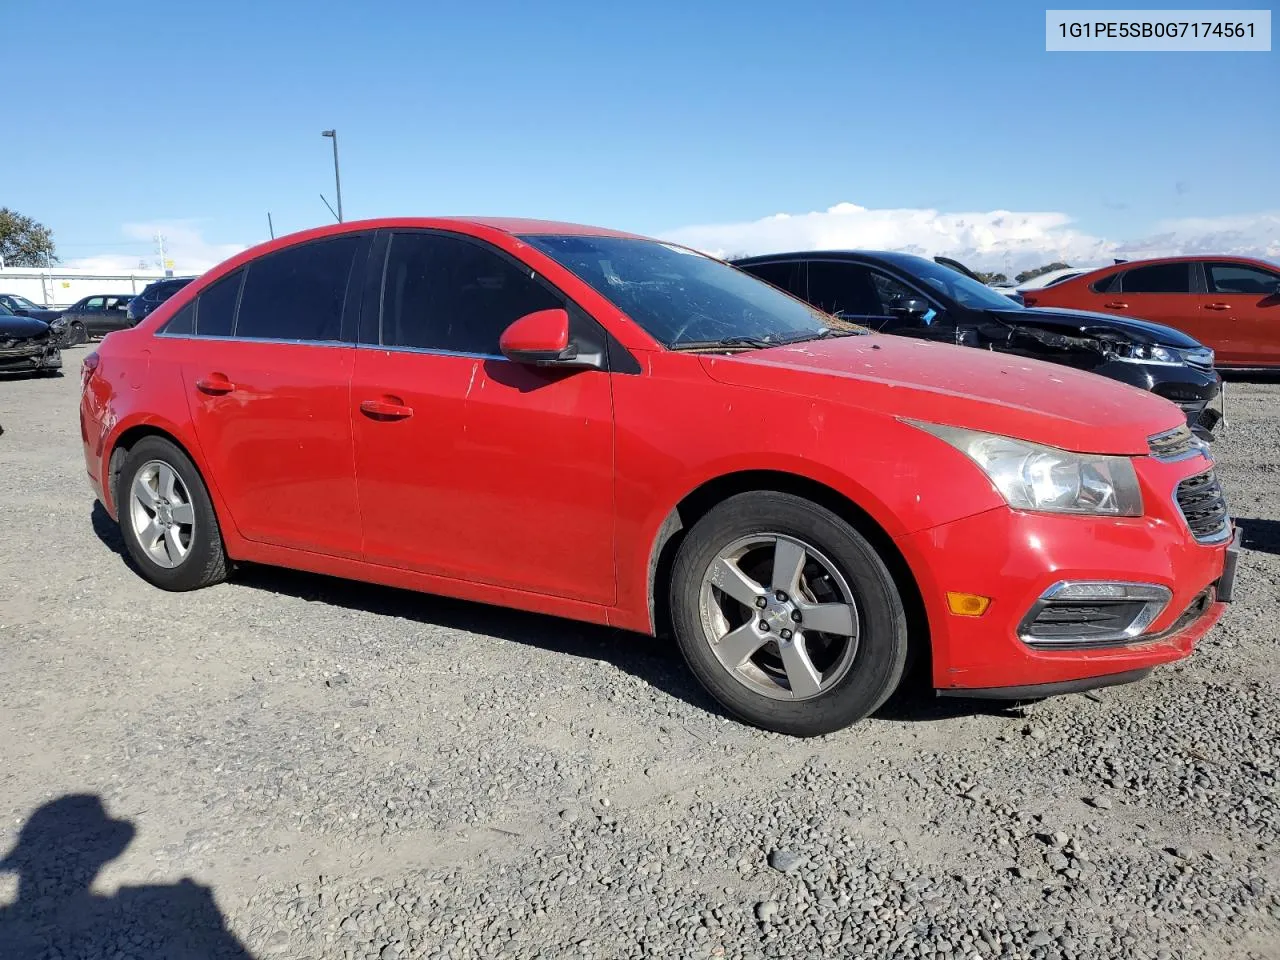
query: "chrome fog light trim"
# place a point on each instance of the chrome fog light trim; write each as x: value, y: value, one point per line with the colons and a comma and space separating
x: 1093, y: 612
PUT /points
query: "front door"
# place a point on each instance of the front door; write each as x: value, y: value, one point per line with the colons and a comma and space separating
x: 1242, y: 306
x: 470, y: 466
x: 1162, y: 293
x: 268, y: 380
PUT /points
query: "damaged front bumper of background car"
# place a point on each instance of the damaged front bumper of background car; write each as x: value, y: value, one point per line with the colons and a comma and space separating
x: 29, y: 356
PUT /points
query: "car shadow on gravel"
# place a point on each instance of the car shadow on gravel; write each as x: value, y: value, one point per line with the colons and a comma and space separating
x: 1260, y: 535
x: 654, y: 660
x: 62, y: 847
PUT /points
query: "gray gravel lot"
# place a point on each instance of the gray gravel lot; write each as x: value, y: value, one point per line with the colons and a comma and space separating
x: 349, y: 771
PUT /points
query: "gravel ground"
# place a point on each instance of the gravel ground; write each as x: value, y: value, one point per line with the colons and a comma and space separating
x: 291, y: 766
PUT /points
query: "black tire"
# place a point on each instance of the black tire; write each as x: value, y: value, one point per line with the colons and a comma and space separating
x: 205, y: 562
x: 78, y: 334
x: 881, y: 653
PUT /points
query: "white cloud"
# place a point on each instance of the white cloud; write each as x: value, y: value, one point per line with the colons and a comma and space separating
x: 995, y: 240
x: 184, y: 244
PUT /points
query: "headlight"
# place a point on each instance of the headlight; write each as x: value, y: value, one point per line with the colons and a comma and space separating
x: 1149, y: 353
x: 1032, y: 477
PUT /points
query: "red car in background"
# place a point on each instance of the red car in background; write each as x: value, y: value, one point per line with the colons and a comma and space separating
x: 1230, y: 304
x: 600, y: 426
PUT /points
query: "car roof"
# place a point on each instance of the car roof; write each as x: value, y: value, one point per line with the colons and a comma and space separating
x: 902, y: 260
x: 1189, y: 258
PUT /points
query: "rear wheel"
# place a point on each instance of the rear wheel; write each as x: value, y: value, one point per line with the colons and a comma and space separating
x: 167, y: 519
x: 787, y: 615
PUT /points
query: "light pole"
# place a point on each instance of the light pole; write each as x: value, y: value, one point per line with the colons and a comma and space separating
x: 337, y: 181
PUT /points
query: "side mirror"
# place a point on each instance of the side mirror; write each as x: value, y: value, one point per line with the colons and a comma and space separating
x: 542, y: 338
x: 911, y: 307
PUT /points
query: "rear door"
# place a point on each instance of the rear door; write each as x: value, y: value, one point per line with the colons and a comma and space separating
x: 1242, y: 305
x: 470, y: 466
x: 267, y: 368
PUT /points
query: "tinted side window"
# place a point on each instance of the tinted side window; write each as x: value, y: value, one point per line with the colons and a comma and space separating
x: 785, y: 276
x: 445, y: 293
x: 1158, y: 278
x: 297, y: 293
x: 1239, y: 279
x: 1106, y: 284
x: 216, y: 307
x: 182, y: 322
x: 843, y: 288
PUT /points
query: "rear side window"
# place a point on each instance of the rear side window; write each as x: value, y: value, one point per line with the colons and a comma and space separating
x: 785, y: 276
x: 297, y: 293
x: 1158, y: 278
x: 1240, y: 279
x: 183, y: 322
x: 1106, y: 284
x: 216, y: 307
x: 445, y: 293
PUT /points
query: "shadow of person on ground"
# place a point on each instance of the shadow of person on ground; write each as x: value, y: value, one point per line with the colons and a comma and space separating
x: 62, y: 847
x: 1260, y: 535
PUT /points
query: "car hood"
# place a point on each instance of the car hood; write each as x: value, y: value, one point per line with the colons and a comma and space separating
x: 959, y: 386
x: 1078, y: 321
x: 22, y: 328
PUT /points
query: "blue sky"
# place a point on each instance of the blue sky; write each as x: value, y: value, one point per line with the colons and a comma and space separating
x: 647, y: 116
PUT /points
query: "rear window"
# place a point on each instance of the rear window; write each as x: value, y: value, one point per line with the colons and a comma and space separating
x: 1106, y: 285
x: 298, y: 293
x: 1158, y: 278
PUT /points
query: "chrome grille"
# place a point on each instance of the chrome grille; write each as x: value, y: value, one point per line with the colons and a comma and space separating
x: 1173, y: 444
x: 1204, y: 508
x: 1201, y: 357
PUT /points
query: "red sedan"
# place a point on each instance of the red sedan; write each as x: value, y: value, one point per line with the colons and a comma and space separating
x: 604, y: 427
x: 1231, y: 304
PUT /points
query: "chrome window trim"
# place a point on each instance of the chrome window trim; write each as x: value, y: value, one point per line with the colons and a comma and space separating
x: 235, y: 339
x: 1222, y: 535
x: 1131, y: 634
x: 431, y: 351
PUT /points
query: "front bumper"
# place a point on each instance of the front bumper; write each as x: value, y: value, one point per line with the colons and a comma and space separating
x: 41, y: 356
x: 1013, y: 557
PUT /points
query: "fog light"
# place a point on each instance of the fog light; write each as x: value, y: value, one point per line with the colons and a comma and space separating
x: 1085, y: 612
x: 967, y: 604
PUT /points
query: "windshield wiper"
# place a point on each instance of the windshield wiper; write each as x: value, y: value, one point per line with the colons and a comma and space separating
x: 826, y: 333
x: 756, y: 343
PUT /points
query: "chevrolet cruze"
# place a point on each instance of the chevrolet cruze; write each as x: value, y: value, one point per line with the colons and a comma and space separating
x: 600, y: 426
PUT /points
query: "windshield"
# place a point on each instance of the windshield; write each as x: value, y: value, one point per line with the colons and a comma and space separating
x: 22, y: 303
x: 684, y: 299
x: 964, y: 290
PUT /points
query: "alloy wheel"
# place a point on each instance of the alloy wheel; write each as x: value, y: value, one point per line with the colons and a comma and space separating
x: 161, y: 513
x: 779, y: 616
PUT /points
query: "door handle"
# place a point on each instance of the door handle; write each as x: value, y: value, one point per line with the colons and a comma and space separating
x: 1116, y: 305
x: 1217, y: 306
x: 215, y: 383
x: 388, y: 409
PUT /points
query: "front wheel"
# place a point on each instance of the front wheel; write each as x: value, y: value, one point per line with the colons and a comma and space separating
x: 78, y: 333
x: 167, y: 518
x: 787, y: 615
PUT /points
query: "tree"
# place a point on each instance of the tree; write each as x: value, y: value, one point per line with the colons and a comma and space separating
x: 25, y: 242
x: 1026, y: 275
x: 991, y: 277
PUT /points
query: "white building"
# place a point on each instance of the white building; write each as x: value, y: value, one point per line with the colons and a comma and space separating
x: 61, y: 286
